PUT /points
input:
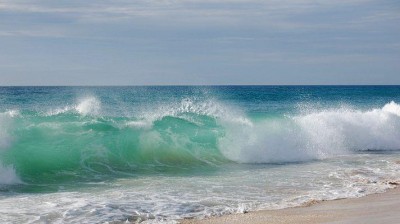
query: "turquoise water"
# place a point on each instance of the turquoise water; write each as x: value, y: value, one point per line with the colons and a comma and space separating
x: 102, y: 154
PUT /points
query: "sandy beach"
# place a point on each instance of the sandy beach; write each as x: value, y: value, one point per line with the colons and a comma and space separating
x: 374, y: 208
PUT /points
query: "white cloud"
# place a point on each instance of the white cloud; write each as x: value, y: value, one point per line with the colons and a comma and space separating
x: 272, y: 15
x: 34, y: 33
x: 181, y: 9
x: 198, y: 35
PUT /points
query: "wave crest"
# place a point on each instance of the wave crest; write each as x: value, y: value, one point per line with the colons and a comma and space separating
x: 190, y: 132
x: 191, y: 110
x: 85, y: 106
x: 314, y: 135
x: 392, y: 108
x: 89, y: 106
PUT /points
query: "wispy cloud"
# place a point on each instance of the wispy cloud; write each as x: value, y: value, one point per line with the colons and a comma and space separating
x: 34, y: 33
x: 185, y: 10
x: 274, y: 15
x: 197, y: 36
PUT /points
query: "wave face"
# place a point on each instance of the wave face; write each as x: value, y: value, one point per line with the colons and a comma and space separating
x: 76, y: 141
x: 95, y: 135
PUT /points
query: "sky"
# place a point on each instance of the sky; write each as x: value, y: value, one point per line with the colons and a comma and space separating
x: 199, y: 42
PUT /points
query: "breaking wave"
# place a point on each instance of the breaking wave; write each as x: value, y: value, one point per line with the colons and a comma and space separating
x: 314, y: 135
x: 78, y: 141
x: 86, y: 106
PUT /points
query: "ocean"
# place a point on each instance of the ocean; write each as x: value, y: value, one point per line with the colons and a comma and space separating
x: 164, y: 153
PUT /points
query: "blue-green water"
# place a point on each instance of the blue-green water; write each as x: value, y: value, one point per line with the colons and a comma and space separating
x: 98, y: 154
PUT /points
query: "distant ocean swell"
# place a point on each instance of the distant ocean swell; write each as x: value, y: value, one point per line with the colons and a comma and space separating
x: 77, y: 141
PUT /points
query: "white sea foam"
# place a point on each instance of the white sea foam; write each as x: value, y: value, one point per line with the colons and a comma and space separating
x: 377, y: 129
x: 313, y: 135
x: 8, y: 175
x: 211, y: 108
x: 139, y: 124
x: 392, y: 107
x: 227, y: 191
x: 58, y: 111
x: 6, y: 120
x: 89, y: 106
x: 85, y: 106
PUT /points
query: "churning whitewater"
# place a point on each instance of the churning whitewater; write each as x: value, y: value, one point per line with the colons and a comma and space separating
x: 63, y: 140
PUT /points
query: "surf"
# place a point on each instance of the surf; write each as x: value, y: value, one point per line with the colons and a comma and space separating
x: 314, y: 134
x: 79, y: 141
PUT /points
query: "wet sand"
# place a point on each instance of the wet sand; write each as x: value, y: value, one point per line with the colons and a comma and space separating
x: 374, y: 208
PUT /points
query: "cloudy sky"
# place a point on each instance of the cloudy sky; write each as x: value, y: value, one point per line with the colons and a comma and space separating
x: 178, y: 42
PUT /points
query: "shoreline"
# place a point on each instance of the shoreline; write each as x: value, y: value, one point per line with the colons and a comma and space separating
x: 373, y: 208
